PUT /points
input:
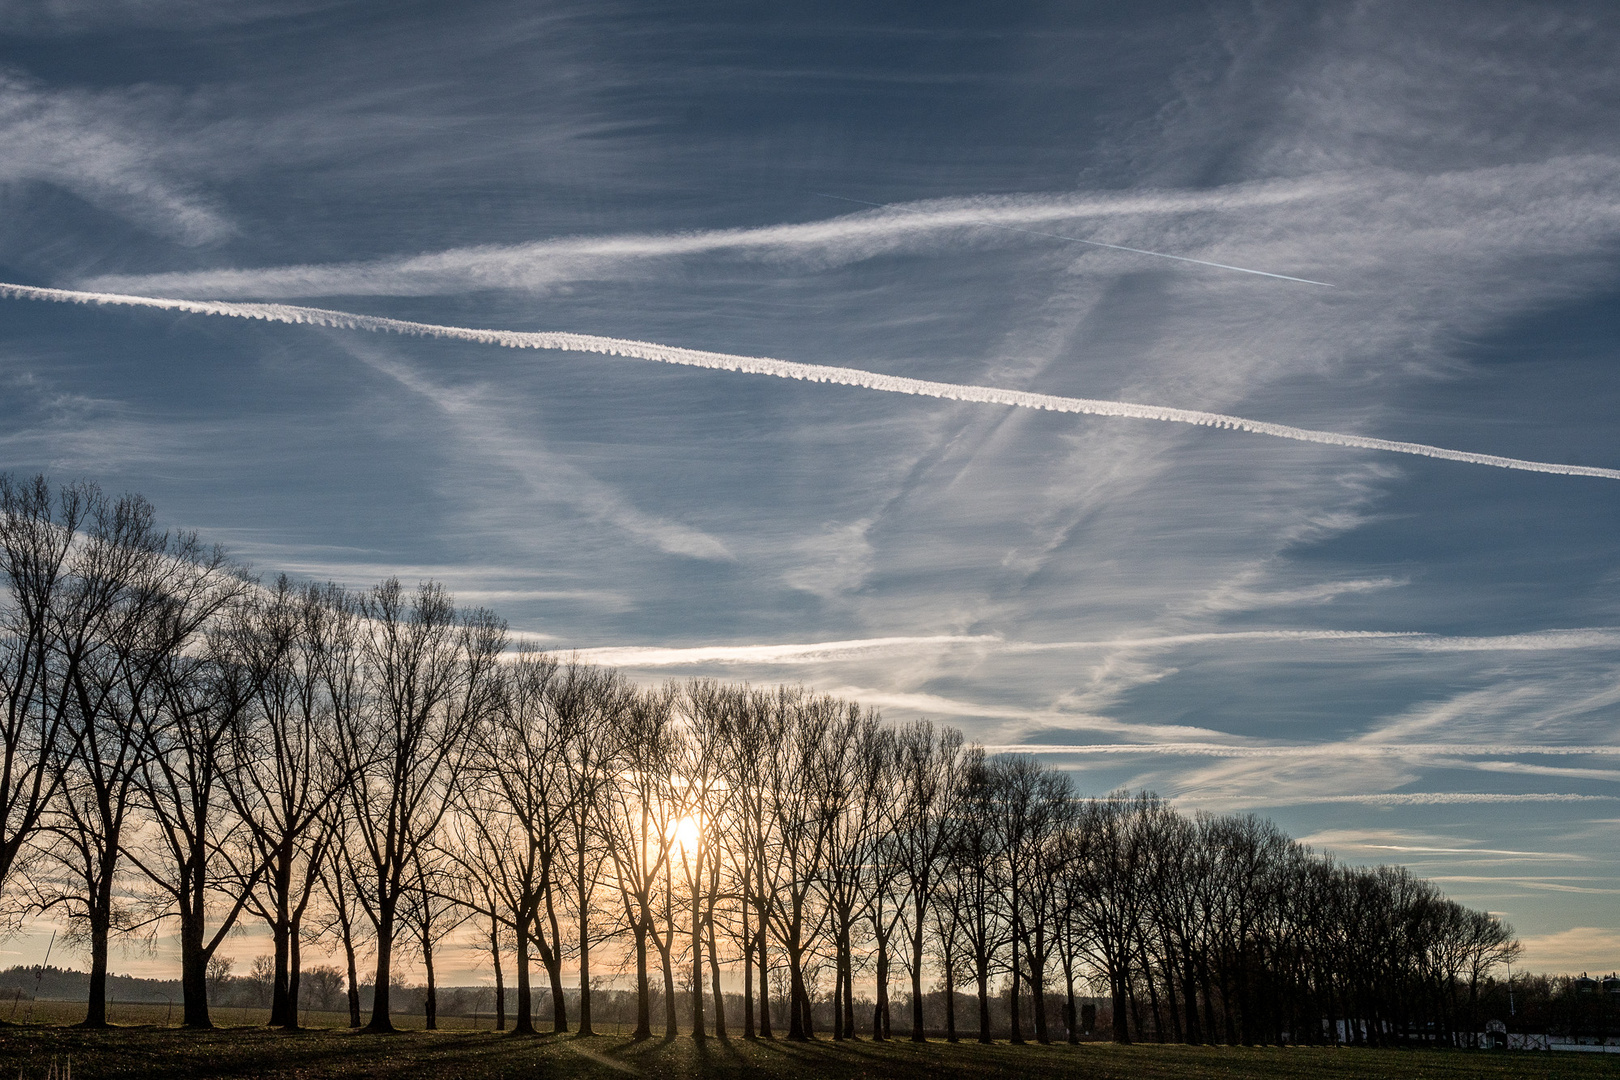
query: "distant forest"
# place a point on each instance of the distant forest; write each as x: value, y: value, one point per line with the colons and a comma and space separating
x: 379, y: 773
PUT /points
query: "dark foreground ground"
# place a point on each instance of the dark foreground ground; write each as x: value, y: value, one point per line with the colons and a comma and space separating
x: 153, y: 1052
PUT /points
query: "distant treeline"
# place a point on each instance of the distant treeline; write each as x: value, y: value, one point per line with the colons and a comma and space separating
x: 377, y: 771
x: 52, y: 983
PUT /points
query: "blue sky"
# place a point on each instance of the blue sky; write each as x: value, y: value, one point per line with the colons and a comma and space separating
x: 1397, y: 658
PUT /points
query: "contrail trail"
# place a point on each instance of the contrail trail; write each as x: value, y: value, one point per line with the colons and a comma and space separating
x: 1307, y: 750
x: 784, y: 369
x: 1093, y: 243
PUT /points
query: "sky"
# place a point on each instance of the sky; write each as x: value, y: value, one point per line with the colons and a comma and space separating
x: 1398, y: 658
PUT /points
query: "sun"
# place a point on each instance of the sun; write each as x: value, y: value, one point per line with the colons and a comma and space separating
x: 687, y: 831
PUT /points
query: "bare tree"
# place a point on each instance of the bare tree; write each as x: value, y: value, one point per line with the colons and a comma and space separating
x: 508, y: 832
x: 704, y: 802
x: 802, y: 779
x: 342, y: 914
x: 749, y: 729
x: 75, y: 671
x: 429, y: 684
x: 974, y: 869
x: 1027, y: 796
x: 930, y: 778
x: 589, y: 704
x: 642, y: 819
x: 432, y: 909
x: 67, y: 560
x: 192, y: 851
x: 864, y: 815
x: 288, y: 760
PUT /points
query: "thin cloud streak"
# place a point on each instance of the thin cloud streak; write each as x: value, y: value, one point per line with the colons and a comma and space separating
x: 824, y: 651
x: 819, y: 652
x: 1434, y: 798
x: 1097, y: 243
x: 1331, y: 750
x: 756, y: 365
x: 548, y: 476
x: 546, y: 263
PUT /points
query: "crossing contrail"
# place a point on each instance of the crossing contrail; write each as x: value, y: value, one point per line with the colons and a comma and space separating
x: 784, y: 369
x: 1093, y: 243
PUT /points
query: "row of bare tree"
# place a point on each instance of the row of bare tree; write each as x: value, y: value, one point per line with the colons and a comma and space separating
x: 378, y: 771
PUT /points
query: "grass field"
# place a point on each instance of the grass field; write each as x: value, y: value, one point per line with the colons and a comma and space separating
x: 151, y: 1051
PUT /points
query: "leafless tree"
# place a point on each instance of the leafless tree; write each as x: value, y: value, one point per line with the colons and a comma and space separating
x: 432, y: 908
x: 864, y: 814
x: 974, y: 870
x: 802, y: 783
x: 67, y: 559
x: 704, y: 800
x: 193, y: 851
x: 641, y: 814
x: 80, y: 670
x: 430, y: 681
x: 749, y: 731
x: 508, y: 833
x: 589, y: 704
x: 930, y: 781
x: 342, y: 915
x: 288, y: 760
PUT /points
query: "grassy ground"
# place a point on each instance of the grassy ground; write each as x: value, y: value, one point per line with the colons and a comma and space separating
x: 151, y: 1051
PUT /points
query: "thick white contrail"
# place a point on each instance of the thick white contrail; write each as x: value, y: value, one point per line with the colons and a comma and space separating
x: 784, y: 369
x: 1093, y: 243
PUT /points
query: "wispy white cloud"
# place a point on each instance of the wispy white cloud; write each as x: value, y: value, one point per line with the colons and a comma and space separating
x: 835, y: 562
x: 812, y: 653
x: 1416, y: 751
x: 549, y: 477
x: 1405, y: 843
x: 92, y: 145
x: 543, y: 265
x: 829, y: 651
x: 1438, y: 798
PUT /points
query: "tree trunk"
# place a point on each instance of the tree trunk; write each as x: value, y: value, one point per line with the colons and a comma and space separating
x: 1189, y: 999
x: 495, y: 960
x: 552, y: 958
x: 380, y: 1019
x: 1121, y: 1008
x: 843, y: 980
x: 880, y: 1010
x: 918, y: 910
x: 748, y: 964
x: 96, y: 1011
x: 523, y: 1024
x: 698, y: 1031
x: 583, y: 888
x: 950, y: 1000
x: 1070, y: 1019
x: 714, y: 977
x: 764, y: 980
x: 982, y: 974
x: 643, y: 986
x: 354, y: 976
x: 800, y: 1026
x: 671, y: 1029
x: 430, y: 1004
x: 1037, y: 986
x: 1015, y: 1020
x: 281, y: 884
x: 294, y: 972
x: 194, y: 972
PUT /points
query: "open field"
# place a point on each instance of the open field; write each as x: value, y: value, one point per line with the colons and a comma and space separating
x: 151, y: 1052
